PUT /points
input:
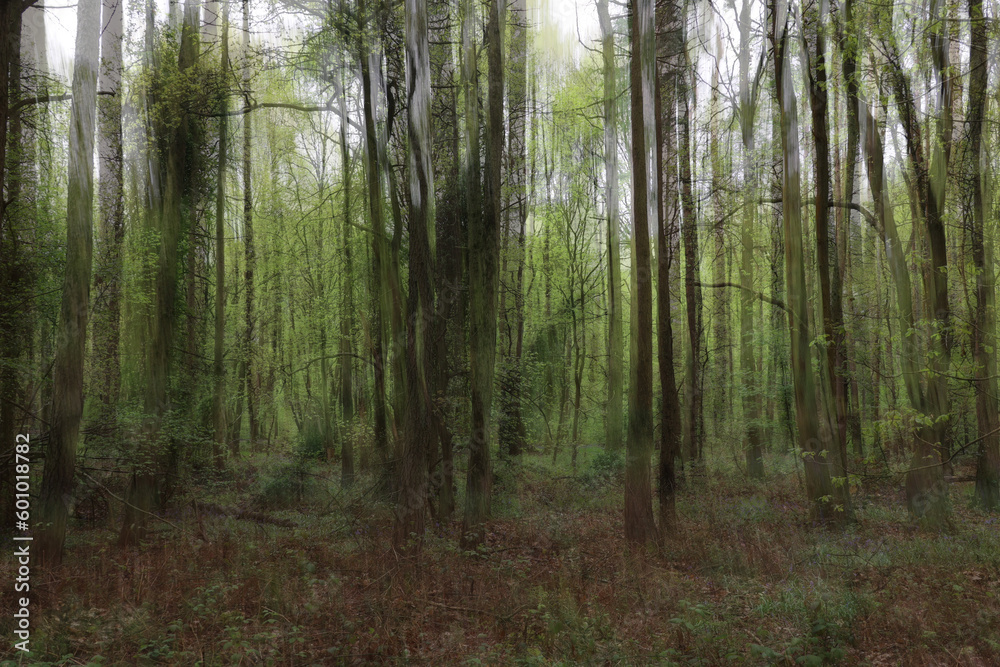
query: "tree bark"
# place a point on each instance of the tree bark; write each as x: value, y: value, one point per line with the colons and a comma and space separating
x: 987, y: 491
x: 639, y: 523
x: 616, y: 351
x: 484, y: 245
x: 67, y: 408
x: 819, y: 488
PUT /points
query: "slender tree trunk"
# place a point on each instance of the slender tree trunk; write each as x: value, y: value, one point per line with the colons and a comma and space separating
x: 421, y: 318
x: 111, y: 200
x: 380, y: 257
x: 748, y: 364
x: 60, y: 462
x: 668, y: 44
x: 829, y: 280
x: 694, y: 426
x: 250, y: 249
x: 347, y: 316
x: 817, y: 471
x: 616, y: 351
x: 218, y: 365
x: 927, y: 494
x: 984, y: 328
x: 169, y: 212
x: 484, y: 245
x: 639, y: 523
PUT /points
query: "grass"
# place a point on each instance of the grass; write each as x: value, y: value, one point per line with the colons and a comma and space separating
x: 746, y: 579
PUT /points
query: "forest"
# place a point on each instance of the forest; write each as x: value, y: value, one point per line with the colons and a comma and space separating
x: 598, y: 332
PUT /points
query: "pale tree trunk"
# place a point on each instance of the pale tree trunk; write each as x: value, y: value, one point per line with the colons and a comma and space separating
x: 616, y: 351
x: 819, y: 488
x: 984, y: 327
x: 67, y: 408
x: 640, y: 526
x: 380, y: 290
x: 484, y: 243
x: 421, y: 317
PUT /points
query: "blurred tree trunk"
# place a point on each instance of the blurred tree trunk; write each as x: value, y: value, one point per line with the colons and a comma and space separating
x: 748, y: 113
x: 380, y: 290
x: 168, y: 215
x: 826, y: 259
x: 511, y: 427
x: 250, y: 249
x: 616, y: 350
x: 421, y: 316
x: 819, y: 488
x: 347, y: 315
x: 639, y: 523
x: 695, y: 421
x: 669, y: 50
x: 67, y: 408
x: 218, y: 365
x: 484, y: 244
x: 926, y: 493
x: 111, y: 204
x: 984, y: 327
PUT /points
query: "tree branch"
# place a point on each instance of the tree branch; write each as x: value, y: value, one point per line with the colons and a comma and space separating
x: 760, y: 295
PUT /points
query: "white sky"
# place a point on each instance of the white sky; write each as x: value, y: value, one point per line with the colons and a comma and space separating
x: 566, y: 18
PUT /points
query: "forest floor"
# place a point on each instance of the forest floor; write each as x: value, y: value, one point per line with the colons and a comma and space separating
x: 745, y: 580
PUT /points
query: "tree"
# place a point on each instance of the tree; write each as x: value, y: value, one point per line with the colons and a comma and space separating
x: 218, y: 364
x: 60, y: 462
x: 616, y: 351
x: 111, y: 203
x: 484, y: 244
x: 984, y: 327
x: 639, y: 524
x: 421, y: 316
x: 819, y: 487
x: 747, y: 115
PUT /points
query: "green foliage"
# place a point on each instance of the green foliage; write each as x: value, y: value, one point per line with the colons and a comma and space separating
x: 289, y: 487
x: 607, y: 467
x: 823, y: 645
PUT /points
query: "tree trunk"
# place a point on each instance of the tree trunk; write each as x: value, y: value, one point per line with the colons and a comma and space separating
x: 694, y: 426
x: 484, y: 245
x: 347, y: 315
x: 67, y: 408
x: 668, y: 44
x: 829, y: 279
x: 421, y: 318
x: 748, y: 364
x: 111, y: 204
x: 218, y: 365
x: 984, y: 327
x: 168, y: 214
x: 616, y: 352
x: 250, y: 250
x: 639, y: 524
x: 819, y: 488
